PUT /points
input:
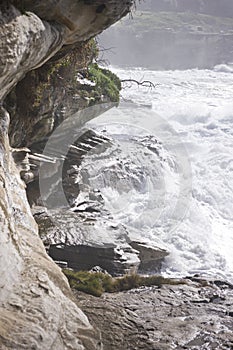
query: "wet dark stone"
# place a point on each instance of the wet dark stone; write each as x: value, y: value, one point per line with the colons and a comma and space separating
x: 100, y: 8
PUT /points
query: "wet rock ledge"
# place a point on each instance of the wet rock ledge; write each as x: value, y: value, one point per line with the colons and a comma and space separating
x: 193, y: 316
x: 87, y: 234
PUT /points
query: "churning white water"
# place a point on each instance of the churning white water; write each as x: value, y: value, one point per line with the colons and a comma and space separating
x: 175, y: 179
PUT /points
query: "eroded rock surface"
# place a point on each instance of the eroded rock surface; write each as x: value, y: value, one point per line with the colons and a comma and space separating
x: 35, y: 302
x: 84, y: 240
x: 26, y: 42
x: 83, y: 18
x: 36, y: 307
x: 194, y: 316
x: 87, y: 234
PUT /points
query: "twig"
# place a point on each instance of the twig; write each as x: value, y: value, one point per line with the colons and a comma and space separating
x: 144, y: 83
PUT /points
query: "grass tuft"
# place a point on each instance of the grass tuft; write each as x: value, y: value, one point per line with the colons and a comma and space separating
x: 98, y: 283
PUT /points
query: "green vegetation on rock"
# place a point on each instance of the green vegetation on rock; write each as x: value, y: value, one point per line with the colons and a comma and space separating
x: 107, y: 83
x: 96, y: 283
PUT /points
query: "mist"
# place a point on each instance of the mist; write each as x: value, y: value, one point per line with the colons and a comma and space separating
x: 222, y: 8
x: 172, y: 34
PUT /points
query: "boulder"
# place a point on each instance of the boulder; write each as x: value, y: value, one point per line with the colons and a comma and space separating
x: 151, y: 255
x: 85, y: 239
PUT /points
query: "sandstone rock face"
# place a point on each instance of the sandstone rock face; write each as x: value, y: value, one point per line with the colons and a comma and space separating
x: 26, y: 42
x: 36, y: 307
x: 52, y: 93
x: 83, y: 18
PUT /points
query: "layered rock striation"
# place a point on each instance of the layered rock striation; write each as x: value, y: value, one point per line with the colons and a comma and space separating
x: 36, y: 307
x: 86, y: 233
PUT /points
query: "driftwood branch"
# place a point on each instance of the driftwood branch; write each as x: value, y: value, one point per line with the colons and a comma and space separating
x: 144, y: 83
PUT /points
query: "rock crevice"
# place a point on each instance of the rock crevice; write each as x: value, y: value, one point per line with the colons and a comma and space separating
x: 36, y: 307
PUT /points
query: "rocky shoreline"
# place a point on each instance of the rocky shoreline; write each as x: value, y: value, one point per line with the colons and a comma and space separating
x: 47, y: 74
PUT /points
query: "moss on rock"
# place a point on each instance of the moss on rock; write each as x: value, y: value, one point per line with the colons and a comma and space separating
x: 51, y: 93
x: 107, y: 83
x: 96, y: 283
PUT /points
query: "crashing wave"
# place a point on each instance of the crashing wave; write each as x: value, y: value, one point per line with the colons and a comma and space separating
x: 224, y: 68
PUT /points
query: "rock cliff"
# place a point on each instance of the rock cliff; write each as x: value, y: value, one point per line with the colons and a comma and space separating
x: 36, y: 307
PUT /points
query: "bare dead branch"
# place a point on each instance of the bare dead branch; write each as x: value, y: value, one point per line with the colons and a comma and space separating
x: 144, y: 83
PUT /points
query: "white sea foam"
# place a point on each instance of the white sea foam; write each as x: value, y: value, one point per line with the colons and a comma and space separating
x: 223, y: 68
x: 198, y: 106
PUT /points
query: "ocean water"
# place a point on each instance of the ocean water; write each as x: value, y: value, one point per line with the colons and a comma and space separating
x: 169, y: 173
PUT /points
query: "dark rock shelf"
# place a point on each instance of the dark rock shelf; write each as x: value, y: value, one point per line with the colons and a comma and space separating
x: 195, y: 316
x: 84, y: 241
